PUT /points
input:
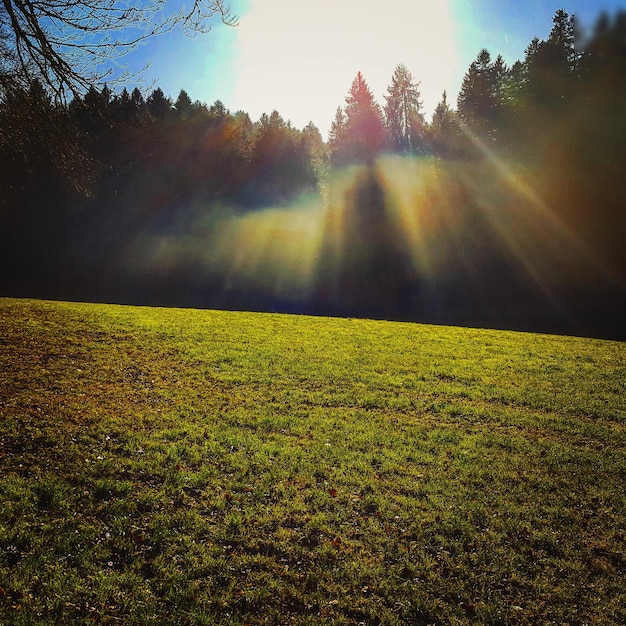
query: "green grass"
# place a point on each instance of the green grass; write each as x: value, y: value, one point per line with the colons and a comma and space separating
x: 197, y: 467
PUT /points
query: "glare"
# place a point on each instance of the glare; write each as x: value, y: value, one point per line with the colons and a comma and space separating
x: 301, y: 57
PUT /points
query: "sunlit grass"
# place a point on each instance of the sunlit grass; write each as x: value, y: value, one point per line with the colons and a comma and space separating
x: 174, y: 466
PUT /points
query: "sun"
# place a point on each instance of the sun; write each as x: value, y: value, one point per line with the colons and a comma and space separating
x: 301, y: 57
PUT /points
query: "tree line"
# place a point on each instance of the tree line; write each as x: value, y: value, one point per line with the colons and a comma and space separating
x: 497, y: 104
x: 80, y: 179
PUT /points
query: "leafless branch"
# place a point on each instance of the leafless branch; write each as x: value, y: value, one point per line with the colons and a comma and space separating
x: 71, y: 44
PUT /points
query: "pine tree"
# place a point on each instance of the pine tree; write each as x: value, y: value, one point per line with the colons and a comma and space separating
x: 122, y: 107
x: 443, y: 128
x: 312, y: 141
x: 562, y: 39
x: 551, y: 66
x: 218, y: 111
x: 158, y: 105
x: 183, y: 105
x: 403, y: 117
x: 364, y: 134
x: 279, y: 166
x: 336, y: 135
x: 532, y: 49
x: 480, y: 98
x: 137, y: 100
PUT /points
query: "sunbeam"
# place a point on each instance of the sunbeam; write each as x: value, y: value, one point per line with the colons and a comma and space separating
x: 271, y: 251
x: 401, y: 237
x: 541, y: 213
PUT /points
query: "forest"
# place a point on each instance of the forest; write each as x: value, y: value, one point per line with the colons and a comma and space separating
x: 506, y: 209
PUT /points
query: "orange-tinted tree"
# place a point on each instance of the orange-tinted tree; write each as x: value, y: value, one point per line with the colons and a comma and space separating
x: 363, y: 135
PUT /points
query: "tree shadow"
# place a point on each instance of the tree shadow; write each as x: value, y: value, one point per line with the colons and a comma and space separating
x: 365, y: 267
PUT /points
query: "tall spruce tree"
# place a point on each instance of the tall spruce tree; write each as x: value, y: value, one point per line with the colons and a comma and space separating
x: 562, y: 37
x: 159, y: 105
x: 336, y: 135
x: 443, y: 128
x: 403, y: 113
x: 364, y: 135
x: 480, y: 98
x: 551, y: 65
x: 183, y: 105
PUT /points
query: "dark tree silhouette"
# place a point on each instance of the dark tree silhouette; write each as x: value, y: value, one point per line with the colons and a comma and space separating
x: 158, y: 104
x: 551, y: 65
x: 480, y: 98
x: 443, y: 129
x: 183, y: 105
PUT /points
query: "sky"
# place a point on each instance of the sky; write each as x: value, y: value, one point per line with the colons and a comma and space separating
x: 300, y: 57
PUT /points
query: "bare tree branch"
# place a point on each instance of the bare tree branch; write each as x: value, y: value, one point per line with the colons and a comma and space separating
x: 71, y: 44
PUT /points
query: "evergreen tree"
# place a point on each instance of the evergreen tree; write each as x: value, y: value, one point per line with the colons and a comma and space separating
x: 364, y: 135
x: 313, y: 144
x: 513, y: 86
x: 183, y: 105
x: 227, y: 150
x: 551, y: 65
x: 532, y: 50
x: 137, y: 100
x: 527, y: 87
x: 279, y: 167
x: 480, y: 98
x: 403, y: 117
x: 97, y: 101
x: 443, y: 129
x: 43, y: 164
x: 312, y: 138
x: 94, y: 114
x: 562, y: 38
x: 122, y: 106
x: 218, y: 111
x: 336, y: 135
x: 158, y: 105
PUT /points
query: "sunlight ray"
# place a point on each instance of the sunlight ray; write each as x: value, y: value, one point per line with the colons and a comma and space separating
x: 549, y: 218
x: 272, y: 250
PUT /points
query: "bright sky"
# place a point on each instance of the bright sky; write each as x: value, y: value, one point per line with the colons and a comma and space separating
x: 300, y: 57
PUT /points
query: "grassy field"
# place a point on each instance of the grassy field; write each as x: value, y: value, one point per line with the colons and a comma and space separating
x: 196, y: 467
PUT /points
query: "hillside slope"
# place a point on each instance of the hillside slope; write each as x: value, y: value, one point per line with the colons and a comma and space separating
x: 163, y: 466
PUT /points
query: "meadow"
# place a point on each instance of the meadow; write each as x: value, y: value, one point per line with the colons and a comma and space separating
x: 171, y: 466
